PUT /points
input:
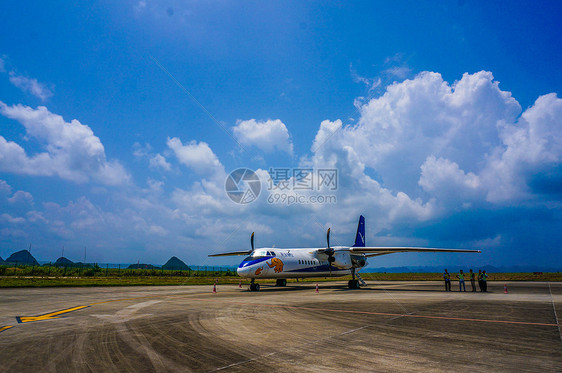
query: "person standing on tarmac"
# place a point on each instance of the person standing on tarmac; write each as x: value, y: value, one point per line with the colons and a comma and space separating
x: 460, y: 276
x: 447, y: 278
x: 472, y: 282
x: 480, y: 280
x: 484, y: 282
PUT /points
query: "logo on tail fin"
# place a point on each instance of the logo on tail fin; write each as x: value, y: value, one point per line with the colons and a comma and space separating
x: 360, y: 236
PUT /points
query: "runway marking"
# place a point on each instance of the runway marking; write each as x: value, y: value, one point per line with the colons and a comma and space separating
x: 554, y: 309
x: 2, y: 328
x: 48, y: 316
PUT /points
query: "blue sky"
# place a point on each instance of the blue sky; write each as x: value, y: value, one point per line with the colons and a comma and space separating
x: 443, y: 122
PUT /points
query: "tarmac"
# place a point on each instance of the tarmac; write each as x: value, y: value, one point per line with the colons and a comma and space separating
x: 386, y: 326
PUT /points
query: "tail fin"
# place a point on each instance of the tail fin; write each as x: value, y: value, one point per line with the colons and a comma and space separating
x: 360, y: 236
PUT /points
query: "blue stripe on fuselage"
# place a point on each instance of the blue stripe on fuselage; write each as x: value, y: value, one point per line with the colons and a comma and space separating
x: 250, y: 262
x: 322, y: 268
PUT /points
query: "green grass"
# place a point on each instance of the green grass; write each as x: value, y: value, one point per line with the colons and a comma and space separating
x: 14, y: 281
x: 60, y: 281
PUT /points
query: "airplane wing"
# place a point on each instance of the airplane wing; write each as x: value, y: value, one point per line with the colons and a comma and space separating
x: 374, y: 251
x: 233, y: 253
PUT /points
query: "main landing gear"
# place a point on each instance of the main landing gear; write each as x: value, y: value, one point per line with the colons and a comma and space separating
x: 281, y: 282
x: 353, y: 284
x: 254, y: 286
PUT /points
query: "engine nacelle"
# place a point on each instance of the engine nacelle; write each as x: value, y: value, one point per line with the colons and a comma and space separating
x: 359, y: 261
x: 342, y: 260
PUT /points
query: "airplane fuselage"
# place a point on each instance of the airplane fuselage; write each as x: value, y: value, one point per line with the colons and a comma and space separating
x: 298, y: 263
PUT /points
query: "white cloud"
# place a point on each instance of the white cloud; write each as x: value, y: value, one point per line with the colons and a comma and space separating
x: 448, y: 144
x: 159, y: 161
x: 73, y: 152
x: 158, y: 230
x: 426, y: 116
x: 155, y: 161
x: 10, y: 219
x: 31, y: 85
x: 324, y: 134
x: 269, y: 135
x: 398, y: 72
x: 530, y: 147
x: 371, y: 84
x: 5, y: 188
x: 36, y: 216
x: 444, y: 178
x: 27, y: 84
x: 154, y: 185
x: 197, y: 156
x: 357, y: 192
x: 141, y: 150
x: 21, y: 197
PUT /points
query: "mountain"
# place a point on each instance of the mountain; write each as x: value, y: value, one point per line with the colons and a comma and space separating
x: 1, y: 260
x: 23, y: 257
x: 63, y: 262
x: 176, y: 264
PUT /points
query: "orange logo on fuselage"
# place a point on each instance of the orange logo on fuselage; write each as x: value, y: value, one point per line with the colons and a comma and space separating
x: 277, y: 264
x: 258, y: 271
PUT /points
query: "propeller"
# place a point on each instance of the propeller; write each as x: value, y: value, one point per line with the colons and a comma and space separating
x: 330, y: 252
x: 252, y: 241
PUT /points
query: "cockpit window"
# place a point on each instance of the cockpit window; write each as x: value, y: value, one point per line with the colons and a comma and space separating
x: 259, y: 254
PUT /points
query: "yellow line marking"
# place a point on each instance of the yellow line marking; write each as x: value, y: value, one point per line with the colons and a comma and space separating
x: 48, y: 316
x: 2, y: 328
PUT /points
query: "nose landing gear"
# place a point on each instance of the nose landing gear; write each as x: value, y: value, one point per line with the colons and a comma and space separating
x: 254, y: 286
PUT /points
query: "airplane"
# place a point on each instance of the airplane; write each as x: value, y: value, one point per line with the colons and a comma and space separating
x: 281, y: 264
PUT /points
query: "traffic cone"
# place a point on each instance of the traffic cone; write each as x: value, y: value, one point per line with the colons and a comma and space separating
x: 317, y: 288
x: 215, y: 288
x: 505, y: 288
x: 240, y: 284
